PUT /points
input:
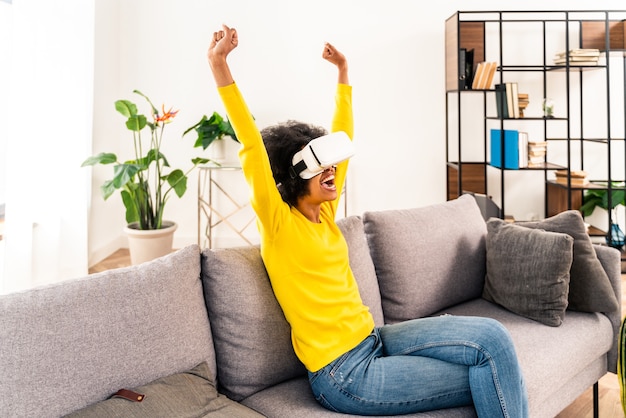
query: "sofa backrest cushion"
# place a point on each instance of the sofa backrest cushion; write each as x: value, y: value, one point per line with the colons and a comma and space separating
x: 362, y: 265
x: 427, y: 258
x: 251, y: 335
x: 71, y: 344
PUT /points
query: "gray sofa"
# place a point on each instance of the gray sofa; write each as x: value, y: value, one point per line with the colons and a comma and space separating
x: 200, y: 333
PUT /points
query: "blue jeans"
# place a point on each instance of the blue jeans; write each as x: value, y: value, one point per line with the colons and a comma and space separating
x: 426, y: 364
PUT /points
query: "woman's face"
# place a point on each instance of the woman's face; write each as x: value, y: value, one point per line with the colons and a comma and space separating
x: 322, y: 187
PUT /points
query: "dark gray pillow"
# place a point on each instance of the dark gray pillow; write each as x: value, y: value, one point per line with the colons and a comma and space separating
x: 187, y: 394
x: 528, y: 271
x: 251, y: 336
x: 589, y: 289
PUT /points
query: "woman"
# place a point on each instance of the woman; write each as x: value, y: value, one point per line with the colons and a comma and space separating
x: 353, y: 366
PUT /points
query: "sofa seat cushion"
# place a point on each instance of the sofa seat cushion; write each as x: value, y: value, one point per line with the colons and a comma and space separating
x: 294, y: 399
x: 427, y: 258
x: 188, y: 394
x: 528, y: 270
x: 71, y: 344
x: 581, y: 339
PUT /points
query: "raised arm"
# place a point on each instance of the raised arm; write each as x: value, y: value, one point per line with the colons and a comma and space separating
x: 222, y: 43
x: 342, y: 117
x: 332, y: 55
x: 265, y: 199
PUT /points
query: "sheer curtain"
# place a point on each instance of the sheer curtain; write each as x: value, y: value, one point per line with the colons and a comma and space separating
x: 49, y: 131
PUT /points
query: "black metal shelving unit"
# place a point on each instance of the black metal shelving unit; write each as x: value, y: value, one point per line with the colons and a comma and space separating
x: 479, y: 30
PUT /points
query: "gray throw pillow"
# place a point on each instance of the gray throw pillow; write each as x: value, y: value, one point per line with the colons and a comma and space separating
x: 528, y: 271
x: 187, y: 394
x: 251, y: 336
x: 427, y: 258
x: 589, y: 289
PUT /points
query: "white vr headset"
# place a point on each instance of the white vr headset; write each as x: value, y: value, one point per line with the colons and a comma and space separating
x: 321, y: 153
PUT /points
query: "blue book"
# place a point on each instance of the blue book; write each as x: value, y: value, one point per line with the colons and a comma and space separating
x: 511, y: 148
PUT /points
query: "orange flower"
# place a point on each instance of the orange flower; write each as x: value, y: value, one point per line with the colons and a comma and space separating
x: 167, y: 116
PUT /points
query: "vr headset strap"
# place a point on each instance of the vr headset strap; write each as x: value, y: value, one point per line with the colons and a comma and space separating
x: 295, y: 170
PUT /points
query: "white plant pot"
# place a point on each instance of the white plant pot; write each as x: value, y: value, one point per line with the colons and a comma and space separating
x: 224, y: 151
x: 146, y: 245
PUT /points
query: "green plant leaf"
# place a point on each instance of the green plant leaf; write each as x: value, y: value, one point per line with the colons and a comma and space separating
x: 136, y: 122
x: 131, y: 210
x: 154, y: 155
x: 178, y: 180
x: 200, y: 160
x: 211, y: 129
x: 593, y: 198
x: 124, y: 173
x: 154, y: 109
x: 102, y: 158
x: 126, y: 108
x: 107, y: 189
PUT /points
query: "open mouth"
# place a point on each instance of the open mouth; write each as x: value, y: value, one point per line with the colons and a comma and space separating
x: 328, y: 182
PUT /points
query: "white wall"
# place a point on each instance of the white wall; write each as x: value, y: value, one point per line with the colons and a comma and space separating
x: 49, y: 130
x: 396, y: 54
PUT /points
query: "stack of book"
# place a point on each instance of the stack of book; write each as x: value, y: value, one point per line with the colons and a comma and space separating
x: 578, y: 57
x: 483, y: 76
x: 577, y: 178
x: 523, y: 103
x: 537, y: 153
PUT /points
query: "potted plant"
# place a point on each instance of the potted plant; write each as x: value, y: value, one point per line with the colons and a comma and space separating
x: 211, y: 131
x: 146, y: 181
x: 593, y: 198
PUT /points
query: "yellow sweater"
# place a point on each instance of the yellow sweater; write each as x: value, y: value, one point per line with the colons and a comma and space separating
x: 307, y: 262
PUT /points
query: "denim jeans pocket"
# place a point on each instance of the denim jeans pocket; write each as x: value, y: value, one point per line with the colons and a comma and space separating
x: 322, y: 401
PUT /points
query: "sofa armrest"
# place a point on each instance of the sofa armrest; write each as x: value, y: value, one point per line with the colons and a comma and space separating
x: 610, y: 258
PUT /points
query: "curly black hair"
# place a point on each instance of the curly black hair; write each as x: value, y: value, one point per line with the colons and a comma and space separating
x: 282, y: 142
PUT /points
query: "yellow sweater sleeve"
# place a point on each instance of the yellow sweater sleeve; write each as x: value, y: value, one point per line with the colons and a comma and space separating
x: 307, y: 262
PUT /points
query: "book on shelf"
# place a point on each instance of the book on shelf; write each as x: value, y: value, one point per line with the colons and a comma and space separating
x: 485, y: 72
x: 462, y: 82
x: 515, y: 94
x: 478, y: 75
x: 523, y: 149
x: 469, y: 68
x: 501, y: 106
x: 578, y: 57
x: 491, y: 71
x: 577, y: 178
x: 537, y: 151
x: 522, y: 98
x: 466, y: 63
x: 512, y: 100
x: 510, y: 144
x: 576, y: 63
x: 580, y: 52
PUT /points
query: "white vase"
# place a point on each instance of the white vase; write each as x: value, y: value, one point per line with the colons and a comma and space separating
x: 146, y: 245
x: 224, y: 151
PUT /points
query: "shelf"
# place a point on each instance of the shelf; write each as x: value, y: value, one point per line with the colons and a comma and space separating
x: 592, y: 185
x: 538, y: 167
